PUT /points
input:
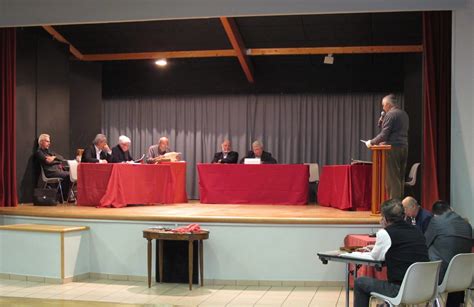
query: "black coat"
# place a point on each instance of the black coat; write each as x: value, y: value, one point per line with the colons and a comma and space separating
x: 90, y: 155
x: 266, y: 157
x: 118, y: 155
x: 232, y: 157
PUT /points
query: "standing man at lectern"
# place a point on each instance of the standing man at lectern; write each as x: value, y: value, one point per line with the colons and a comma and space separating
x: 394, y: 132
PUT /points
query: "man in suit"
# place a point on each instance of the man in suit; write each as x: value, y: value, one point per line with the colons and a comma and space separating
x: 121, y: 152
x: 394, y: 132
x: 226, y: 155
x: 52, y: 163
x: 448, y: 234
x: 98, y: 152
x: 416, y: 215
x: 258, y: 152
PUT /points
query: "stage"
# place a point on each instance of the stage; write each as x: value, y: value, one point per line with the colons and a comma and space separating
x: 248, y: 244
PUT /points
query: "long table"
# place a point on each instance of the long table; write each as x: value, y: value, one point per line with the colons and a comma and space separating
x: 283, y: 184
x: 118, y: 185
x: 346, y: 187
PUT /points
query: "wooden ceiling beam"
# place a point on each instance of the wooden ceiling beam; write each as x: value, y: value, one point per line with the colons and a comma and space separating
x: 56, y: 35
x: 336, y: 50
x: 159, y: 55
x: 237, y: 43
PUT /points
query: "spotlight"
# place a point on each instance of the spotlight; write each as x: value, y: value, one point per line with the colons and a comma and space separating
x: 329, y: 59
x: 161, y: 62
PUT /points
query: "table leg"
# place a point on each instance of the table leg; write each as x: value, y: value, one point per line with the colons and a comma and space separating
x: 348, y: 272
x: 201, y: 261
x: 149, y: 263
x: 190, y: 264
x: 160, y: 259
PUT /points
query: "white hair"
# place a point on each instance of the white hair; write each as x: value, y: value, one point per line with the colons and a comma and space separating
x: 99, y: 138
x: 257, y: 144
x: 392, y: 99
x: 42, y: 137
x: 124, y: 139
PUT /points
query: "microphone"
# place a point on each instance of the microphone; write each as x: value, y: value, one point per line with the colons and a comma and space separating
x: 382, y: 115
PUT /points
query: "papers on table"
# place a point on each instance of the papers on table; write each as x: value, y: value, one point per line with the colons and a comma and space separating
x: 360, y: 255
x: 172, y: 156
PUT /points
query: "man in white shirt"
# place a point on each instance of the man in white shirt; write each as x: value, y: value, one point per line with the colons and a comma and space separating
x: 98, y: 152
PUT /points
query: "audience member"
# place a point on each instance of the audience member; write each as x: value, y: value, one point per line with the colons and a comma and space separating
x: 416, y: 215
x: 98, y: 152
x: 448, y: 234
x: 258, y: 152
x: 226, y: 155
x: 400, y: 245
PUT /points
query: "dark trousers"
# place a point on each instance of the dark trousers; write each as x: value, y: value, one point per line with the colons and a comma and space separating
x: 395, y: 168
x: 65, y: 184
x: 455, y: 299
x: 364, y: 285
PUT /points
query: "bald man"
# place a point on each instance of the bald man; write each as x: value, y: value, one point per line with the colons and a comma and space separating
x: 416, y: 215
x: 226, y: 155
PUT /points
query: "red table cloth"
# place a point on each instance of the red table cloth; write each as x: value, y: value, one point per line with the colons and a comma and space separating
x: 369, y: 271
x: 282, y: 184
x: 346, y: 187
x: 119, y: 185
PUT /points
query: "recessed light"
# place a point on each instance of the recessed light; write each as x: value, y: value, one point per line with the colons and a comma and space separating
x: 161, y: 62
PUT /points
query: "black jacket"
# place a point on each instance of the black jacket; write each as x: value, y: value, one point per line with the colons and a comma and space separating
x: 54, y: 169
x: 266, y: 157
x: 89, y: 155
x: 232, y: 157
x: 118, y: 155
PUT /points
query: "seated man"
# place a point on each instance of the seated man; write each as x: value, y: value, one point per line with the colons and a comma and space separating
x: 416, y: 215
x: 226, y: 155
x: 157, y: 152
x: 52, y: 163
x: 121, y: 152
x: 98, y: 152
x: 448, y: 234
x: 258, y: 152
x: 400, y: 245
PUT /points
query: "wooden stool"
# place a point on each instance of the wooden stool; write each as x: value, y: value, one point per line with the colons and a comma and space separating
x: 161, y: 235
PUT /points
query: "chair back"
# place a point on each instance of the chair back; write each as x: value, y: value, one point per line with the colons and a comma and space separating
x: 43, y: 176
x: 459, y: 274
x: 412, y: 174
x: 313, y: 172
x: 419, y: 284
x: 72, y: 170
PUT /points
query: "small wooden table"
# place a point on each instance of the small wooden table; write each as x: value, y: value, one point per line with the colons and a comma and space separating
x: 161, y: 235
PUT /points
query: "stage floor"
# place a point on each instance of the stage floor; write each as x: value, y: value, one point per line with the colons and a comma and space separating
x: 196, y: 212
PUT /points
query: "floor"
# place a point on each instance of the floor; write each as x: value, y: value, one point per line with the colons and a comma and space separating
x: 112, y: 293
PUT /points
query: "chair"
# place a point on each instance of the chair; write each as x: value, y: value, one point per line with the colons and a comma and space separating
x: 313, y: 181
x: 72, y: 177
x: 412, y: 175
x: 459, y: 275
x: 419, y: 285
x: 48, y: 181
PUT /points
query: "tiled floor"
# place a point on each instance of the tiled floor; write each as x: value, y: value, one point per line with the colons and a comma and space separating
x: 23, y: 293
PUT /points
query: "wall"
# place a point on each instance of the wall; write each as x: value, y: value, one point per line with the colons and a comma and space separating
x: 462, y: 113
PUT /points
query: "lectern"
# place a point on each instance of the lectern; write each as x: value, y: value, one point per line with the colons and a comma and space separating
x: 378, y: 176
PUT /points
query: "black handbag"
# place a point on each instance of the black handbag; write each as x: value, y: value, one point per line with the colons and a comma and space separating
x: 45, y: 197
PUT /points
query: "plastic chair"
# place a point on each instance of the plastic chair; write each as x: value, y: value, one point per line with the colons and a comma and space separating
x: 419, y: 285
x: 412, y: 175
x: 72, y: 177
x: 48, y: 181
x: 459, y: 275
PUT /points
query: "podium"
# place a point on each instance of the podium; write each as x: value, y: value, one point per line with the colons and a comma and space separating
x: 378, y: 176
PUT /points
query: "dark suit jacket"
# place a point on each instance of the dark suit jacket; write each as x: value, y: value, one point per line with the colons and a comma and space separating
x: 422, y: 219
x: 54, y: 169
x: 448, y: 235
x: 89, y: 155
x: 232, y: 157
x: 266, y: 157
x: 118, y: 155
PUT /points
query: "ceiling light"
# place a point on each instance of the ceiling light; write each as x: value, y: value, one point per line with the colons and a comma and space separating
x: 329, y: 59
x: 161, y: 62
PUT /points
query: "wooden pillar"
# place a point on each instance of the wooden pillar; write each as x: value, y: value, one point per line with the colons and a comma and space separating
x: 378, y: 176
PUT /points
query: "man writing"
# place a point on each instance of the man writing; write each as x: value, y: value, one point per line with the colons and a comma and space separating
x: 258, y: 152
x: 226, y: 155
x: 394, y: 132
x: 398, y: 244
x: 121, y: 152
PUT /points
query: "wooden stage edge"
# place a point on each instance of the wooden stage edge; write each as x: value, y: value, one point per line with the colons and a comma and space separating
x: 196, y: 212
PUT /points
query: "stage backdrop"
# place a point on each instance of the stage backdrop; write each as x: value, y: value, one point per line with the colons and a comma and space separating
x: 322, y: 128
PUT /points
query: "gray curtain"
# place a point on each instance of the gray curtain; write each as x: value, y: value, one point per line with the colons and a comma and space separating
x: 322, y: 128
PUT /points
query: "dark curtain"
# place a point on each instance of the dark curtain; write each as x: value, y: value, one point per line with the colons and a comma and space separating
x: 436, y: 106
x: 295, y: 128
x: 8, y: 195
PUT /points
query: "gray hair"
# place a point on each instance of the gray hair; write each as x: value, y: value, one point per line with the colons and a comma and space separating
x: 393, y: 210
x: 124, y: 139
x: 392, y: 99
x: 99, y: 138
x: 257, y: 144
x: 411, y: 202
x: 42, y: 137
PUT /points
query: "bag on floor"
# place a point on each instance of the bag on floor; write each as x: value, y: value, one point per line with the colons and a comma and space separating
x: 45, y: 197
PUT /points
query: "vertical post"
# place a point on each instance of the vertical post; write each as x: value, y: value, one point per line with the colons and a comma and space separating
x: 149, y: 263
x: 160, y: 259
x: 378, y: 176
x: 190, y: 264
x: 201, y: 261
